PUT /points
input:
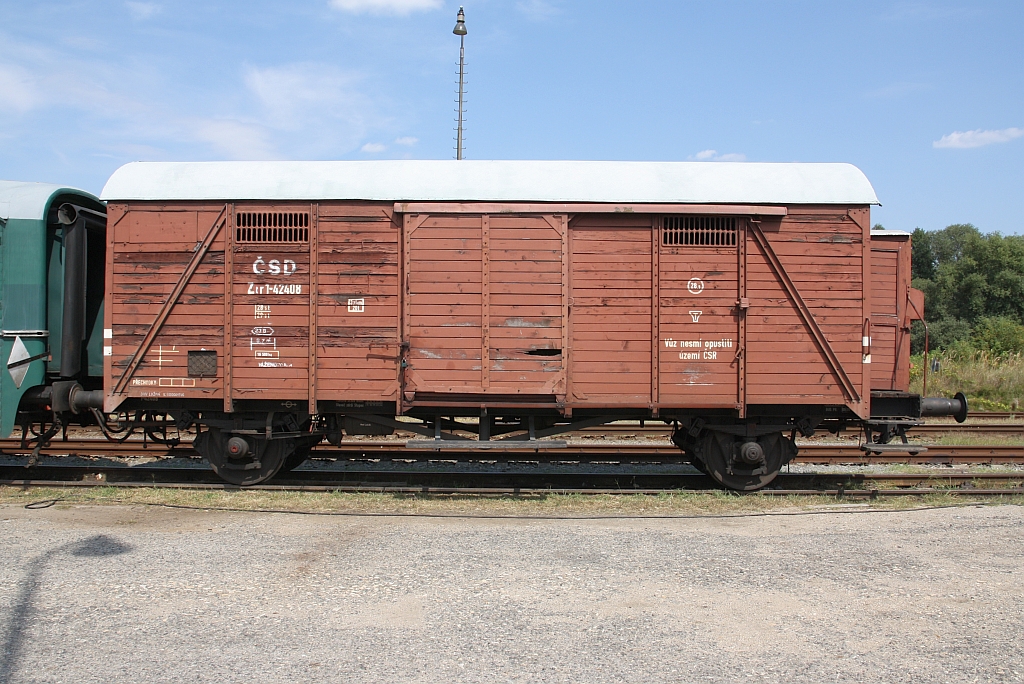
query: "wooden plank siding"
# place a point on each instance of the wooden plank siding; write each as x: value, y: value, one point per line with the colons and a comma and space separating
x: 822, y: 250
x: 580, y: 310
x: 484, y: 304
x: 611, y: 310
x: 357, y: 308
x: 151, y: 246
x: 890, y: 314
x: 698, y: 349
x: 270, y: 301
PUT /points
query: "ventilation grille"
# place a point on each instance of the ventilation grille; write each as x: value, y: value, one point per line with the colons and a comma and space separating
x: 202, y: 364
x: 268, y: 226
x: 699, y: 231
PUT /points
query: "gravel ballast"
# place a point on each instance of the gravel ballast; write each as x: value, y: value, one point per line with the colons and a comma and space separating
x: 149, y: 594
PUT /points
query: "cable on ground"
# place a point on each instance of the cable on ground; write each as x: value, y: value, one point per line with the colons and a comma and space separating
x: 494, y: 516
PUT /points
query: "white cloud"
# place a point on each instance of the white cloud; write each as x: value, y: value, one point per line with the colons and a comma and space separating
x: 16, y: 88
x: 373, y: 147
x: 537, y: 9
x: 406, y: 140
x: 134, y: 110
x: 712, y: 155
x: 35, y: 77
x: 286, y: 93
x: 235, y: 139
x: 400, y: 7
x: 977, y: 138
x: 143, y: 10
x: 314, y: 109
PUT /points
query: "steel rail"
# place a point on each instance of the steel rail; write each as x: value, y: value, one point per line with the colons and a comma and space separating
x: 100, y: 472
x: 868, y: 485
x: 930, y: 430
x: 833, y: 454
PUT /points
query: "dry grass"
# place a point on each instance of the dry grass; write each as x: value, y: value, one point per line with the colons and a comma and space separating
x: 554, y: 505
x: 991, y: 383
x: 968, y: 439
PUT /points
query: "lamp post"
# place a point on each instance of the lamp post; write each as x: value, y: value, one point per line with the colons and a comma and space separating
x: 460, y: 31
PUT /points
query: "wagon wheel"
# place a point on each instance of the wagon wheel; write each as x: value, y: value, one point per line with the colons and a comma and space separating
x: 243, y: 460
x: 300, y: 455
x: 741, y: 467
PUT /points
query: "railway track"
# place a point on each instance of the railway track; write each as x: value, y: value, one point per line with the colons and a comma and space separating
x: 453, y: 481
x: 998, y: 415
x: 831, y: 454
x: 929, y: 430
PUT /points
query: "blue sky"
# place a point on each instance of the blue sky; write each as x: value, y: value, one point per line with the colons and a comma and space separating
x: 926, y: 97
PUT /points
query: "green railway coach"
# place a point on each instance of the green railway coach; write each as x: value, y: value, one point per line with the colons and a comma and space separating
x: 53, y: 244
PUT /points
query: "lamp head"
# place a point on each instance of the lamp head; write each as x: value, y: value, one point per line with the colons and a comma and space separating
x: 460, y: 24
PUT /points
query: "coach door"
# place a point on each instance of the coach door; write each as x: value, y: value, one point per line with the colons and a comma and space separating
x: 484, y: 304
x: 611, y: 310
x: 698, y: 316
x: 269, y: 327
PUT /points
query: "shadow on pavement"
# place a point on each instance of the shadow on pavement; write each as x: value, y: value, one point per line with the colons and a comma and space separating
x: 98, y: 546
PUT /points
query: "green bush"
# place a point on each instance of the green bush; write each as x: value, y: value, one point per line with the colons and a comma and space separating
x: 942, y: 334
x: 998, y: 335
x: 968, y: 278
x: 973, y: 286
x: 993, y: 383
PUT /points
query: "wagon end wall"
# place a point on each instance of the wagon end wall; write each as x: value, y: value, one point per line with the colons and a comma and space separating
x: 894, y: 305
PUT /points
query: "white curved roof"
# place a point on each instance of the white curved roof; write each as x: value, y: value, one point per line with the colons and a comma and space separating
x: 21, y: 200
x: 494, y: 181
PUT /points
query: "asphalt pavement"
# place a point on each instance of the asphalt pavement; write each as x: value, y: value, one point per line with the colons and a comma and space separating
x: 143, y: 594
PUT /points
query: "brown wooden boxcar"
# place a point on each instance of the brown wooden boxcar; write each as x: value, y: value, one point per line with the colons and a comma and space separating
x: 272, y: 304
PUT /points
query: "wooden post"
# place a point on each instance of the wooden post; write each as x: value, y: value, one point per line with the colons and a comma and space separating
x: 110, y: 402
x: 865, y: 368
x: 563, y: 231
x: 741, y: 308
x: 567, y: 354
x: 485, y: 302
x: 229, y: 312
x: 314, y: 273
x: 655, y: 312
x: 412, y: 222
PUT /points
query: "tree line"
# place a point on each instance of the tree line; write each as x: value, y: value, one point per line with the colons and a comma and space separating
x: 973, y: 285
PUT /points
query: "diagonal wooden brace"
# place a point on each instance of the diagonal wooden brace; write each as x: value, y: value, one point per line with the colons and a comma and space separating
x: 201, y: 249
x: 805, y: 314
